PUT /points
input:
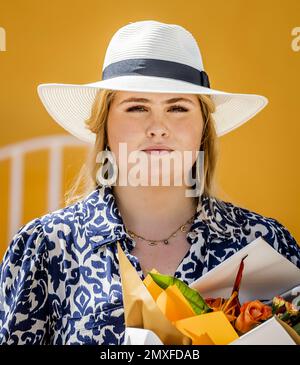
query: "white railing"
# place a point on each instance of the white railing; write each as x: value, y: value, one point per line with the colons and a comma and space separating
x: 16, y: 152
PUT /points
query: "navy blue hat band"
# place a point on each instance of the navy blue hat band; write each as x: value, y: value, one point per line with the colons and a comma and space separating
x: 154, y: 67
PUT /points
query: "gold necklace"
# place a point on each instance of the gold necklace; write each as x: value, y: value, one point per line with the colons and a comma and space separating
x: 182, y: 228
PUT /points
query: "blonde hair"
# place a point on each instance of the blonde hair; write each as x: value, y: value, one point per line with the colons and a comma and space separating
x: 86, y: 182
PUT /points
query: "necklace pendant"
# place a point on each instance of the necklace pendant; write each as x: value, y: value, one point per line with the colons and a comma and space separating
x: 152, y: 244
x: 166, y: 242
x: 183, y: 228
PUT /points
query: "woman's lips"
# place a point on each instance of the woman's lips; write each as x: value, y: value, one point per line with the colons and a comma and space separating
x: 157, y: 152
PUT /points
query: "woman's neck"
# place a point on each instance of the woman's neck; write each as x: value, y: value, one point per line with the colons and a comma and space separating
x: 154, y: 212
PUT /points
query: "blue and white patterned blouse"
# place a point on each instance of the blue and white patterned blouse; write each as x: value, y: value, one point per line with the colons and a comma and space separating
x: 60, y: 281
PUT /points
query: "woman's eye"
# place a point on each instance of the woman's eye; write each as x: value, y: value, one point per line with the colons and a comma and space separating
x: 133, y: 108
x: 176, y: 108
x: 179, y: 108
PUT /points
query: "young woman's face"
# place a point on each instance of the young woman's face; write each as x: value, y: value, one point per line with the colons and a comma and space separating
x: 142, y: 120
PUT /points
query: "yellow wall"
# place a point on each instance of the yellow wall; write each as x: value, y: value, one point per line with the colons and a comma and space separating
x: 246, y: 47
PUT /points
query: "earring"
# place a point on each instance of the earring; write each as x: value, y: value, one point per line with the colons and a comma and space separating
x: 200, y: 178
x: 108, y: 165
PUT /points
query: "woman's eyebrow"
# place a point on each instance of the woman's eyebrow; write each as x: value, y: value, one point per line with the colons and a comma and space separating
x: 143, y: 100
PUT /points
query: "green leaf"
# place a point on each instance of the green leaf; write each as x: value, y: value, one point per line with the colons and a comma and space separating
x: 191, y: 295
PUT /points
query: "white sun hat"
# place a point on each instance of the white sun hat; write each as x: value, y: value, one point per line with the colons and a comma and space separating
x: 148, y: 56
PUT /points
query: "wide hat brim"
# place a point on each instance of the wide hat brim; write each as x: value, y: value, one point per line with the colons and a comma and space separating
x: 70, y: 104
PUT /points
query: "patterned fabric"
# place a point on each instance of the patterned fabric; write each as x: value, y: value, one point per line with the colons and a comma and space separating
x: 60, y: 280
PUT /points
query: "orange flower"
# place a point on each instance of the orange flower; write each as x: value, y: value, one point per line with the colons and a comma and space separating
x: 228, y: 306
x: 252, y: 313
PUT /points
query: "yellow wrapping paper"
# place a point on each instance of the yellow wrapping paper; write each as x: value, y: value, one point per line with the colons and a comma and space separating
x: 154, y: 289
x: 174, y: 305
x: 214, y: 326
x: 141, y: 310
x: 167, y: 313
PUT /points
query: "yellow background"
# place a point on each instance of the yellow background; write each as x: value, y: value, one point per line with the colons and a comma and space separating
x: 246, y: 48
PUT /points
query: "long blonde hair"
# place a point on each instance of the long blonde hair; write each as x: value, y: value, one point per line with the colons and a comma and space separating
x: 86, y: 182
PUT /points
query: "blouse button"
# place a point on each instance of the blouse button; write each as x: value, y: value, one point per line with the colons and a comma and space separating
x: 193, y: 235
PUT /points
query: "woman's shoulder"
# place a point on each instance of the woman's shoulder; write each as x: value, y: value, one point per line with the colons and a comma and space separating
x: 244, y: 225
x: 228, y: 213
x: 41, y: 233
x: 70, y: 217
x: 236, y: 213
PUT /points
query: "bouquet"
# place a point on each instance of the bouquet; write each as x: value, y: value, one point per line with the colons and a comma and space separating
x: 188, y: 302
x: 179, y: 314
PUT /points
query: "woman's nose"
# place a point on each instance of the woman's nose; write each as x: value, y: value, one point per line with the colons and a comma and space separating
x: 157, y: 128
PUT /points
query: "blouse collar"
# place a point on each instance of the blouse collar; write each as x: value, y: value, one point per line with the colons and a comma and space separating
x: 105, y: 224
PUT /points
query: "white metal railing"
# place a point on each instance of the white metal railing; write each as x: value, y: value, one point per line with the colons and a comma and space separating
x: 16, y: 152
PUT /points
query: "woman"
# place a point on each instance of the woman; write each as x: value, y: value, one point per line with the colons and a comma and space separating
x: 60, y: 280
